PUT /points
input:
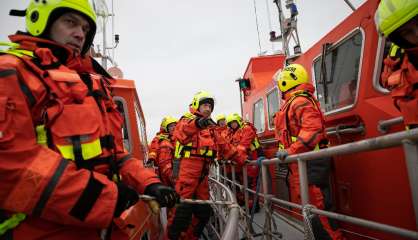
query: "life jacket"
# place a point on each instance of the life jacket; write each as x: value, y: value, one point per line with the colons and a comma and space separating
x: 61, y: 98
x: 165, y: 159
x: 318, y: 170
x: 155, y: 143
x: 255, y: 144
x: 401, y: 77
x: 285, y: 132
x: 240, y: 138
x: 200, y: 146
x: 74, y: 99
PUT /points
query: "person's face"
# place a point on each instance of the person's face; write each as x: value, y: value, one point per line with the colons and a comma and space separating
x: 70, y: 29
x: 205, y: 109
x: 222, y: 123
x: 409, y: 31
x: 234, y: 125
x: 171, y: 128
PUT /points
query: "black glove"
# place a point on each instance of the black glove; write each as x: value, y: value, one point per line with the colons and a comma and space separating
x: 282, y: 154
x: 165, y: 196
x: 126, y: 198
x: 204, y: 122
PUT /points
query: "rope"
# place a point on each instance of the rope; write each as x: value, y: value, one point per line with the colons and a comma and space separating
x: 307, y: 217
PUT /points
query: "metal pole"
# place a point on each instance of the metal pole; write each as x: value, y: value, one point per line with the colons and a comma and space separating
x: 411, y: 158
x: 113, y: 32
x: 384, y: 125
x: 234, y: 187
x: 267, y: 223
x: 370, y: 224
x: 389, y: 140
x: 231, y: 226
x: 104, y: 57
x: 303, y: 178
x: 246, y: 197
x: 224, y: 173
x: 241, y: 100
x: 281, y: 22
x: 350, y: 5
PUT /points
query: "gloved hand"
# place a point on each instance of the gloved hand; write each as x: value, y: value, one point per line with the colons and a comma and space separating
x: 165, y: 196
x: 282, y: 154
x: 126, y: 198
x: 204, y: 122
x: 259, y: 160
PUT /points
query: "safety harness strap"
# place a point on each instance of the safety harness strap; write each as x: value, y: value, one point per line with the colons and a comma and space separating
x: 46, y: 194
x: 87, y: 199
x: 77, y: 150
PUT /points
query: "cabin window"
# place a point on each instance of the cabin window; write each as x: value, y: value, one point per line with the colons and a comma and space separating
x: 337, y: 88
x: 273, y: 106
x: 258, y: 116
x: 126, y: 133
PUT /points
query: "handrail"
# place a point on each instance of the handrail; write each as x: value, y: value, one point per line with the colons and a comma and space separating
x: 381, y: 142
x: 383, y: 126
x: 230, y: 231
x: 344, y: 129
x: 267, y: 141
x: 377, y: 143
x: 409, y: 139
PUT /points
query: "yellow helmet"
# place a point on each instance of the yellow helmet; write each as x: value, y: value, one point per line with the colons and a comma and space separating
x: 167, y: 120
x: 220, y: 117
x: 392, y: 14
x: 234, y: 117
x: 40, y: 13
x: 292, y: 76
x: 200, y: 98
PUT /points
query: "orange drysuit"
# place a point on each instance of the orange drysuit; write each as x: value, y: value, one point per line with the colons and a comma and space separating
x: 162, y: 153
x: 300, y: 128
x: 195, y: 149
x: 60, y: 144
x: 401, y: 77
x: 245, y: 138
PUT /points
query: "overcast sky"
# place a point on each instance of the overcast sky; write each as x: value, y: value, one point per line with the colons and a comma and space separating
x: 172, y: 49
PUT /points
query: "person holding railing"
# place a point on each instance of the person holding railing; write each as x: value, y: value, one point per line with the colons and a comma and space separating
x: 398, y: 21
x: 300, y: 128
x: 64, y: 171
x: 198, y: 141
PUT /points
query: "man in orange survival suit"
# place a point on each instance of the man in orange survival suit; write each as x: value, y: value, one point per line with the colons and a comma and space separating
x: 222, y: 127
x: 398, y: 21
x: 300, y: 128
x: 243, y: 136
x: 221, y: 120
x: 63, y: 170
x: 197, y: 142
x: 162, y: 149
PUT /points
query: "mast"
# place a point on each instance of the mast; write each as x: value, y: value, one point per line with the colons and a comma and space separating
x: 288, y: 28
x: 100, y: 7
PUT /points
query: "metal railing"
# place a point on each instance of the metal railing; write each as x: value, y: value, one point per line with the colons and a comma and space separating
x: 408, y: 139
x: 229, y: 225
x: 384, y: 125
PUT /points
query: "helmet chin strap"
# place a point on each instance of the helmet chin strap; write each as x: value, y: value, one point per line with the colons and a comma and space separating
x: 17, y: 13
